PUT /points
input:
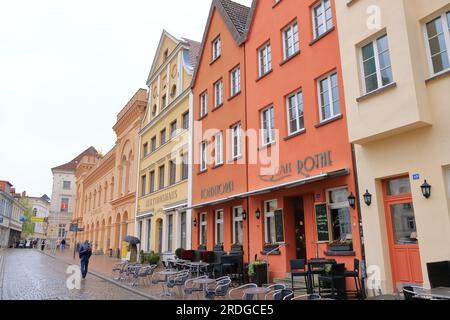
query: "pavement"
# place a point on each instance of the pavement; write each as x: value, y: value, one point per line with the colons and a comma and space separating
x: 27, y: 274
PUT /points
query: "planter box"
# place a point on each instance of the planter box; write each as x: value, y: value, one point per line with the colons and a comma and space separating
x: 260, y: 276
x: 340, y: 247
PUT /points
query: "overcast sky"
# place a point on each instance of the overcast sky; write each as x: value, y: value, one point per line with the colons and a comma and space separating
x: 67, y: 67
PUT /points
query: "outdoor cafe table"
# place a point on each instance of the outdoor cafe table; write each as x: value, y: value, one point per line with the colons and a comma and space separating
x: 166, y: 274
x: 256, y: 291
x: 175, y: 261
x: 198, y: 266
x: 438, y: 293
x: 314, y: 263
x: 204, y: 283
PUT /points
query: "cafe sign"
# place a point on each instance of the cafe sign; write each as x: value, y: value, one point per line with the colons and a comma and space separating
x: 303, y: 167
x: 217, y: 190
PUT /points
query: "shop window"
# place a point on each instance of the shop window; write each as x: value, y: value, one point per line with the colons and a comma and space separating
x: 340, y: 215
x: 219, y: 227
x: 203, y: 225
x: 238, y: 226
x: 269, y: 221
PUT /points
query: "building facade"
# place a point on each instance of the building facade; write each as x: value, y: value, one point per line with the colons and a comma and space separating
x: 219, y: 148
x: 106, y: 185
x: 40, y: 208
x: 62, y: 202
x: 396, y: 78
x: 163, y: 221
x: 11, y: 212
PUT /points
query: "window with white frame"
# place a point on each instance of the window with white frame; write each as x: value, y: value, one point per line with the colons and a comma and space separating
x: 203, y: 104
x: 236, y: 146
x: 265, y: 59
x: 291, y: 40
x: 322, y: 18
x: 329, y: 101
x: 203, y: 224
x: 203, y: 158
x: 170, y: 232
x: 267, y: 126
x: 238, y: 225
x: 218, y: 148
x: 218, y: 93
x: 219, y: 227
x: 235, y: 76
x: 216, y: 48
x: 340, y: 214
x: 438, y: 39
x: 269, y: 220
x: 296, y: 122
x: 376, y: 66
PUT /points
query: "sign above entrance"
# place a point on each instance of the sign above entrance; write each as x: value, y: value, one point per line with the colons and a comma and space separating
x: 217, y: 190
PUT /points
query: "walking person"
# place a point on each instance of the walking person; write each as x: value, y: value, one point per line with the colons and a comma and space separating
x: 85, y: 254
x: 63, y: 244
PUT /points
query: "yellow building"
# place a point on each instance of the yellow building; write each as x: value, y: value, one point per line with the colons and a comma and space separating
x: 163, y: 221
x: 395, y: 61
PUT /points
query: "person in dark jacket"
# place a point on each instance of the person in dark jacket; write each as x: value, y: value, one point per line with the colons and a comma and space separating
x: 85, y: 254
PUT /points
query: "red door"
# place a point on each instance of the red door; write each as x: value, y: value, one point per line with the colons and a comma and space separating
x: 402, y: 232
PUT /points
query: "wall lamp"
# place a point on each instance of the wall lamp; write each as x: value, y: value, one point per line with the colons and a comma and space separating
x: 368, y: 198
x: 195, y: 222
x: 352, y: 200
x: 426, y: 190
x: 244, y: 215
x: 258, y: 214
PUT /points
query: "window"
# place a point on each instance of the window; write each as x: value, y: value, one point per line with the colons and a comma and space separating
x: 66, y: 185
x: 267, y: 126
x: 296, y: 122
x: 143, y: 185
x: 219, y: 227
x: 218, y: 141
x: 186, y: 120
x: 269, y: 220
x: 398, y: 187
x: 203, y: 225
x: 161, y: 177
x: 340, y: 214
x: 377, y: 64
x: 203, y: 160
x: 184, y: 167
x: 169, y: 232
x: 322, y: 18
x: 203, y: 104
x: 173, y: 129
x: 145, y: 149
x: 149, y: 233
x: 265, y: 59
x: 183, y: 229
x: 438, y: 38
x: 162, y: 137
x: 172, y: 172
x: 235, y: 76
x: 329, y: 97
x: 291, y: 40
x: 218, y: 93
x: 152, y: 181
x: 153, y: 142
x: 140, y: 230
x: 34, y: 212
x: 62, y: 231
x: 65, y: 204
x: 236, y: 146
x: 216, y: 48
x: 238, y: 226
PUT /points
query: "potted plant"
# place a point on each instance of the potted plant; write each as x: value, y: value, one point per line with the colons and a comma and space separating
x: 257, y: 271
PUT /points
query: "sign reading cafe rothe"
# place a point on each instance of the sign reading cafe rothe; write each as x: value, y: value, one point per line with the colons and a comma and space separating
x: 217, y: 190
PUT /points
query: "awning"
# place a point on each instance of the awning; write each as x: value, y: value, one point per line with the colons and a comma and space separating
x: 176, y: 207
x: 145, y: 215
x: 287, y: 185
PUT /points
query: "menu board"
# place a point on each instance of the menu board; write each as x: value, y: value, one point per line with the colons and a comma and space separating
x: 279, y: 226
x: 323, y: 232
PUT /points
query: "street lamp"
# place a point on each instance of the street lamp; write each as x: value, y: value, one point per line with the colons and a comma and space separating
x: 368, y: 198
x: 426, y: 190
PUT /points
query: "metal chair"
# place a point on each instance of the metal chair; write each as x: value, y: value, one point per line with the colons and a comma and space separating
x: 190, y: 287
x: 307, y: 297
x: 279, y: 295
x: 336, y: 276
x: 220, y: 290
x: 177, y: 280
x: 238, y: 293
x: 355, y: 275
x: 298, y: 269
x: 289, y: 296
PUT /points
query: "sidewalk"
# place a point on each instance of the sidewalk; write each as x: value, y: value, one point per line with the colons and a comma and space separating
x: 101, y: 266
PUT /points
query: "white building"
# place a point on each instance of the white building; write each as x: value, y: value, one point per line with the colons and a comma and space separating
x: 63, y: 198
x: 40, y: 207
x: 10, y: 213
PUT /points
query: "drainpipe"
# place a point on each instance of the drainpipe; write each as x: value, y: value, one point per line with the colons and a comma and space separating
x: 361, y: 231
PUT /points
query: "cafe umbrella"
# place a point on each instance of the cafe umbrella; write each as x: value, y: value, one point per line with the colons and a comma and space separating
x: 132, y: 240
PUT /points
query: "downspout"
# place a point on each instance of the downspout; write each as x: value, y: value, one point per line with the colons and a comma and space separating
x: 246, y: 155
x: 361, y: 231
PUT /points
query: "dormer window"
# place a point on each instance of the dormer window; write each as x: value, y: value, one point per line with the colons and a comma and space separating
x: 216, y: 48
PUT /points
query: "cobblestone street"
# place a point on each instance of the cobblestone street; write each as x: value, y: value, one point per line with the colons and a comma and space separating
x: 30, y: 275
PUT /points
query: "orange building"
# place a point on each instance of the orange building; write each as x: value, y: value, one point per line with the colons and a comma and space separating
x: 286, y: 197
x: 219, y: 115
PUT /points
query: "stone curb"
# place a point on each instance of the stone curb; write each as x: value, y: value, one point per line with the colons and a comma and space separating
x: 105, y: 278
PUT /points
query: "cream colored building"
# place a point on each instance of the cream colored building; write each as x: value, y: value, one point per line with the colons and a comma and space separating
x: 397, y: 81
x: 163, y: 223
